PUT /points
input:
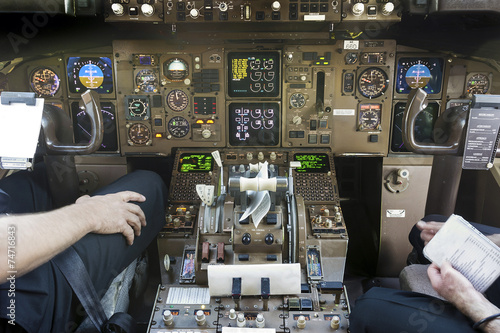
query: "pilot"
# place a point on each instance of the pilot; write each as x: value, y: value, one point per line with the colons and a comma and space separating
x: 466, y: 310
x: 108, y: 231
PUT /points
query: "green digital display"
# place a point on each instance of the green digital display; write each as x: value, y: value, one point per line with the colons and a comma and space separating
x: 318, y: 163
x: 195, y: 163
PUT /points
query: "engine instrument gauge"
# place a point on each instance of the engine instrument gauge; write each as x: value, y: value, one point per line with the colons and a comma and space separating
x: 425, y: 73
x: 178, y: 127
x: 139, y: 134
x: 90, y: 73
x: 137, y: 107
x: 351, y: 58
x: 146, y: 80
x: 82, y: 126
x: 297, y: 100
x: 424, y: 125
x: 175, y: 69
x: 477, y: 84
x: 369, y: 117
x: 45, y: 82
x: 177, y: 100
x: 372, y: 82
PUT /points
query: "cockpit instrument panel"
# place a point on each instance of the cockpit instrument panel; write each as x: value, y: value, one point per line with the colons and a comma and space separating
x: 254, y: 124
x: 195, y: 162
x: 312, y: 162
x: 253, y: 74
x: 416, y: 72
x: 95, y: 73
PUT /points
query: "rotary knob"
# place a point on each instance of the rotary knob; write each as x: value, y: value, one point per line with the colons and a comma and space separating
x: 358, y: 9
x: 297, y: 120
x: 387, y: 8
x: 168, y: 318
x: 117, y: 9
x: 147, y: 10
x: 194, y: 13
x: 249, y: 156
x: 260, y: 156
x: 206, y: 133
x: 246, y: 239
x: 276, y: 6
x: 269, y: 240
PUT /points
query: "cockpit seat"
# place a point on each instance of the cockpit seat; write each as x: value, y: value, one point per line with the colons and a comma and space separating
x: 414, y: 278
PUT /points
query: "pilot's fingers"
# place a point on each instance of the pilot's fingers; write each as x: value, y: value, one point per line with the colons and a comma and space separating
x: 134, y: 222
x: 127, y: 196
x: 136, y: 210
x: 128, y: 233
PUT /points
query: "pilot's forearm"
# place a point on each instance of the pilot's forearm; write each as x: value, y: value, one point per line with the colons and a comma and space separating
x: 28, y: 241
x: 477, y: 307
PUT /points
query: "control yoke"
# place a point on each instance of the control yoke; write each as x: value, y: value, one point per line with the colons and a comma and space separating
x: 448, y: 129
x: 51, y: 119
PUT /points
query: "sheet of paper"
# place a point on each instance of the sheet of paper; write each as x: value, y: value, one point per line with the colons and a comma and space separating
x: 468, y: 251
x: 260, y: 201
x: 19, y: 129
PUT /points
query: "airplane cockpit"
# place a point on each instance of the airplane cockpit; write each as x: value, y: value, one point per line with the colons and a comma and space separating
x: 300, y: 140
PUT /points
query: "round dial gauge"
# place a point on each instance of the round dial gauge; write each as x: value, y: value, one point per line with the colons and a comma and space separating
x: 297, y: 100
x: 137, y: 108
x: 147, y: 80
x: 369, y: 117
x: 478, y: 84
x: 177, y: 100
x: 178, y: 127
x: 175, y: 69
x: 139, y: 134
x: 45, y: 82
x: 373, y: 82
x: 417, y: 76
x: 351, y: 58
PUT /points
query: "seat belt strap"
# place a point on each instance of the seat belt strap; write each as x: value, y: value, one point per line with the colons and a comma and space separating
x: 73, y: 269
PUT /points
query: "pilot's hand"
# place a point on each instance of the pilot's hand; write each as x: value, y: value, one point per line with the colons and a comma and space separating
x: 429, y: 229
x: 451, y: 284
x: 114, y: 213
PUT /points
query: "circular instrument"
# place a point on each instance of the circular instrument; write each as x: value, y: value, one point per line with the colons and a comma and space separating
x: 45, y: 82
x: 177, y: 100
x: 478, y: 84
x: 351, y: 58
x: 178, y: 127
x: 372, y: 82
x: 297, y: 100
x: 139, y: 134
x: 175, y: 69
x: 417, y: 76
x: 369, y: 117
x: 147, y: 80
x: 138, y: 108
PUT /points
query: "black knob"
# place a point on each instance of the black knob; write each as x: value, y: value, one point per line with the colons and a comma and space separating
x: 269, y: 239
x: 246, y: 239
